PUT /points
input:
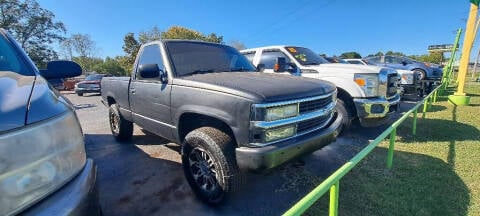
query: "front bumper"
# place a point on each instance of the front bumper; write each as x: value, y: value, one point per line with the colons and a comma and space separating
x: 78, y: 197
x: 270, y: 156
x: 375, y: 110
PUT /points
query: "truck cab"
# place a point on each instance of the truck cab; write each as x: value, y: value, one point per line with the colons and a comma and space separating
x: 368, y: 93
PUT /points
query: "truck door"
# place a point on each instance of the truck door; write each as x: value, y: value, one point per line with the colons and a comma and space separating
x: 150, y: 97
x: 269, y: 57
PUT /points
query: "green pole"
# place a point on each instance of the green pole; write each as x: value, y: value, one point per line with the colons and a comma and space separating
x: 447, y: 72
x: 393, y: 135
x: 414, y: 127
x: 435, y: 97
x: 424, y: 108
x: 334, y: 192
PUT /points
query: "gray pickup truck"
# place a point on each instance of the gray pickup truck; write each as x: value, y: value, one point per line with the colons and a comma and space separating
x: 227, y: 118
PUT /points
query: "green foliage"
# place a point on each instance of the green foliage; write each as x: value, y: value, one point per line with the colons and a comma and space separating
x: 350, y: 55
x: 435, y: 57
x: 178, y: 32
x: 110, y: 66
x: 87, y: 63
x: 130, y: 47
x: 33, y: 27
x: 149, y: 36
x: 376, y: 54
x: 394, y: 53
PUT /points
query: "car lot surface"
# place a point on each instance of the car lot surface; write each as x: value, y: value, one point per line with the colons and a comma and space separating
x: 145, y: 176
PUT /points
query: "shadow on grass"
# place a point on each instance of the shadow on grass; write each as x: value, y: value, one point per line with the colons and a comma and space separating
x: 417, y: 185
x: 432, y: 130
x: 435, y: 108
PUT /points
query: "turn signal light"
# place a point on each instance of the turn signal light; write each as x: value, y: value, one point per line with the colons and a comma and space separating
x: 360, y: 82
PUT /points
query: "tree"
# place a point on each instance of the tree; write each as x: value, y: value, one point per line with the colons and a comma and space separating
x: 178, y: 32
x: 33, y: 27
x: 83, y: 45
x: 110, y: 66
x: 130, y: 47
x: 350, y: 55
x: 394, y: 53
x: 87, y: 63
x: 237, y: 45
x: 150, y: 35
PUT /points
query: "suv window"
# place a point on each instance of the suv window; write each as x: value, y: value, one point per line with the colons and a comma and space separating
x: 150, y: 55
x: 269, y: 58
x: 10, y: 59
x: 249, y: 56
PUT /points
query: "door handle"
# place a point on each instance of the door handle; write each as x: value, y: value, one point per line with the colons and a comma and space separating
x: 132, y: 91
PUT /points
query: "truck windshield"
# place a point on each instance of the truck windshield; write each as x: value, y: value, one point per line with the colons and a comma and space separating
x: 306, y: 56
x: 193, y: 57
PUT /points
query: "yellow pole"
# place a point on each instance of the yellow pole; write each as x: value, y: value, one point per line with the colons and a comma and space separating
x: 459, y: 97
x: 467, y: 47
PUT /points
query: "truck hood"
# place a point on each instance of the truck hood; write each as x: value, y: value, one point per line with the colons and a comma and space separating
x: 345, y: 68
x: 261, y: 87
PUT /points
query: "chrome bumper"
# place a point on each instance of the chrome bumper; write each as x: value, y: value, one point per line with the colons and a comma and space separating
x: 376, y: 107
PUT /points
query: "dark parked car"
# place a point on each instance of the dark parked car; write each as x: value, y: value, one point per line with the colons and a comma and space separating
x: 91, y: 84
x: 43, y: 165
x: 228, y: 118
x: 424, y: 71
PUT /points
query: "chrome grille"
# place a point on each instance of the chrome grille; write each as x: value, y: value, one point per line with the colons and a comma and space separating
x: 312, y: 123
x: 392, y: 85
x: 309, y: 106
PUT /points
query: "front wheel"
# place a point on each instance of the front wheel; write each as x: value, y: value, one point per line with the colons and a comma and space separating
x: 343, y: 110
x: 421, y: 75
x: 121, y: 128
x: 209, y: 164
x: 80, y: 94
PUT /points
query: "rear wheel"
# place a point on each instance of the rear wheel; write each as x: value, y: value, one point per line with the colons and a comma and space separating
x: 121, y: 128
x: 80, y: 94
x: 209, y: 164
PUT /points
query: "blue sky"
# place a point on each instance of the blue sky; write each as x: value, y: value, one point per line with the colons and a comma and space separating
x: 325, y: 26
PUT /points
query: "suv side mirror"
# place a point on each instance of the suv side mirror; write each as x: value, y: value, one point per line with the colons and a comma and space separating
x: 260, y: 67
x: 149, y: 71
x: 404, y: 62
x: 281, y: 65
x: 61, y: 69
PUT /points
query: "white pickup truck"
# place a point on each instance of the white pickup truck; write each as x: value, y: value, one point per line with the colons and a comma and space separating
x: 369, y: 93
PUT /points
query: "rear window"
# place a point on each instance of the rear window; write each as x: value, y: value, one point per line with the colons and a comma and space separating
x: 11, y: 58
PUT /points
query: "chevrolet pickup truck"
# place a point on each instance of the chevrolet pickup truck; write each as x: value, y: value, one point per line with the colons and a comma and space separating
x: 366, y: 93
x: 228, y: 119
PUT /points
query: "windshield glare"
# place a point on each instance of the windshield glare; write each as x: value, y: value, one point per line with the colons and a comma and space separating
x: 189, y: 57
x: 306, y: 56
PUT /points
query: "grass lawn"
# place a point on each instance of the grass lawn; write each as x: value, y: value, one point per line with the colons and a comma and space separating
x: 437, y: 172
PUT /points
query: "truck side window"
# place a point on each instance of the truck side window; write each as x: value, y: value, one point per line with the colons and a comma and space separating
x: 269, y: 58
x: 249, y: 56
x: 151, y: 55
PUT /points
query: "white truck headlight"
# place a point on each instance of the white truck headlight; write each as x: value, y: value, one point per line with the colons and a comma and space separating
x: 368, y: 83
x: 407, y: 78
x: 281, y: 112
x: 38, y: 159
x: 280, y: 133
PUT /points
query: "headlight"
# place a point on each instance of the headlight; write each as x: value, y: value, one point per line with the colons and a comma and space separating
x: 37, y: 160
x: 368, y: 83
x: 280, y: 133
x: 281, y: 112
x: 407, y: 79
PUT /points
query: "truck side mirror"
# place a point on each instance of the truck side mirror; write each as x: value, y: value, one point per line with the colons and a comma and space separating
x: 280, y: 65
x: 61, y: 69
x: 404, y: 63
x: 149, y: 71
x: 260, y: 67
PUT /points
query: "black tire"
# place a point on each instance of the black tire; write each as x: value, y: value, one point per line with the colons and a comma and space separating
x: 209, y: 164
x: 80, y: 94
x: 347, y: 115
x: 121, y: 128
x: 421, y: 74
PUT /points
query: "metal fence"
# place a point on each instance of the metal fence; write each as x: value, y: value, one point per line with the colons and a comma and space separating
x: 332, y: 183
